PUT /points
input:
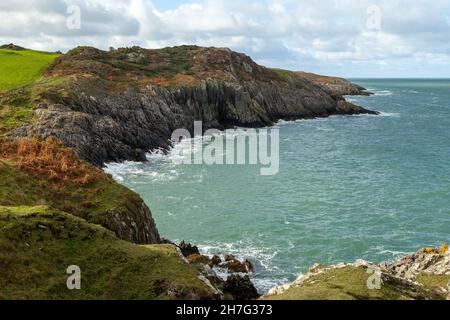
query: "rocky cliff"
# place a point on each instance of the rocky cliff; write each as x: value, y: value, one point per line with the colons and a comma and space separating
x: 117, y: 105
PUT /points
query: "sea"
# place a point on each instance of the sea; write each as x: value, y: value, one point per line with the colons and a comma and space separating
x: 348, y: 187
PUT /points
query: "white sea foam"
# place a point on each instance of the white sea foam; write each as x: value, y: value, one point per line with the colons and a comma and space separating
x: 381, y: 114
x: 394, y: 254
x: 242, y: 250
x: 145, y: 172
x: 283, y: 122
x: 261, y: 257
x: 389, y: 114
x: 378, y: 92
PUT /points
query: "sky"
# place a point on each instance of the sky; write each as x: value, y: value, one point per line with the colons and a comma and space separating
x: 349, y: 38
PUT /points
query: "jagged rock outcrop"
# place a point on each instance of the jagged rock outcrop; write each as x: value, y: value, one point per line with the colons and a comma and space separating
x: 424, y: 275
x: 114, y: 106
x: 426, y: 261
x: 240, y: 287
x: 188, y: 249
x: 134, y: 224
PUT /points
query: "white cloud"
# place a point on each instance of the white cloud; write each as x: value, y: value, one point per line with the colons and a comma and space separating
x: 323, y: 36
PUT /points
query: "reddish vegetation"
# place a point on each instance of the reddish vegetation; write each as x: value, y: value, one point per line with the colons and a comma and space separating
x: 177, y: 66
x: 49, y: 159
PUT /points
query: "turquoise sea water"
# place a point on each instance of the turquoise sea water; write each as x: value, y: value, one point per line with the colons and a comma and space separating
x: 349, y: 187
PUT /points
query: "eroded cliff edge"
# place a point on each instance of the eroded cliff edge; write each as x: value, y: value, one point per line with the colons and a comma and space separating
x: 118, y: 105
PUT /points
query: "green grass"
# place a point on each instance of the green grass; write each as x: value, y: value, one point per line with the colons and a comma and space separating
x: 37, y: 244
x: 284, y: 74
x: 18, y: 68
x: 434, y: 282
x: 15, y: 109
x: 349, y: 283
x: 18, y: 187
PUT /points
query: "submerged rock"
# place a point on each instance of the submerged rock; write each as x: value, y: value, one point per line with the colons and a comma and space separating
x: 216, y: 260
x: 229, y: 257
x: 236, y: 266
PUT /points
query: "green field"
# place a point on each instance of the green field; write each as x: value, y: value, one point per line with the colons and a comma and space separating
x: 18, y: 68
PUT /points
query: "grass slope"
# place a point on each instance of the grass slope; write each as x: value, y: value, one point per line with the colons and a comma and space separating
x: 33, y: 173
x: 37, y: 244
x: 350, y: 283
x: 338, y: 284
x: 18, y: 68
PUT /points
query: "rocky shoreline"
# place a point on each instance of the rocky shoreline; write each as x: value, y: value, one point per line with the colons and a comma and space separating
x: 424, y: 275
x: 236, y: 285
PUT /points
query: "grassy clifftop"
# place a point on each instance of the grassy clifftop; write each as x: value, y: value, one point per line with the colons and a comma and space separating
x: 38, y: 244
x: 19, y: 70
x: 173, y: 66
x: 21, y: 67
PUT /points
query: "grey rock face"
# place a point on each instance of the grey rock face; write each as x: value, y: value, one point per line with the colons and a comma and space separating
x: 105, y: 126
x: 423, y: 261
x: 240, y: 287
x: 136, y: 226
